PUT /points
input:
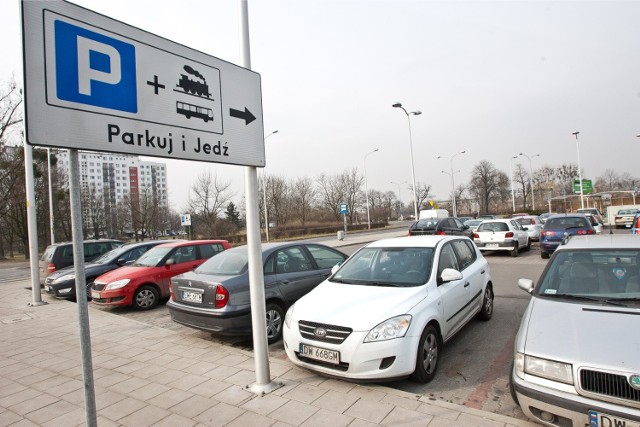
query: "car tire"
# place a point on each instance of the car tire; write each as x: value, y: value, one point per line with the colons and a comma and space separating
x: 528, y: 248
x: 145, y: 298
x: 429, y: 348
x: 544, y: 255
x: 274, y: 320
x: 89, y: 284
x: 514, y: 252
x: 486, y: 311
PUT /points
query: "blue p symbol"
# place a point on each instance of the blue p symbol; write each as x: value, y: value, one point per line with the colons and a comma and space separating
x: 94, y: 69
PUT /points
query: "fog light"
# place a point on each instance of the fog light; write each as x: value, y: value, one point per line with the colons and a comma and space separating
x: 547, y: 416
x: 64, y: 291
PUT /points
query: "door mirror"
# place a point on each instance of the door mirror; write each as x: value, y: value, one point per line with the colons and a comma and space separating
x: 526, y: 285
x: 449, y: 275
x: 170, y: 261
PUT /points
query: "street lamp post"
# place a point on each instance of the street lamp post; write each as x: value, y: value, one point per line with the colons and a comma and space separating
x: 513, y: 197
x: 453, y: 187
x: 533, y: 199
x: 264, y: 192
x: 53, y: 234
x: 413, y: 173
x: 366, y: 188
x: 453, y: 202
x: 579, y: 170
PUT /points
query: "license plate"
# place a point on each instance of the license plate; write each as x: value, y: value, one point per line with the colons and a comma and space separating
x: 95, y: 294
x: 599, y: 419
x: 191, y: 296
x: 492, y: 245
x: 322, y: 354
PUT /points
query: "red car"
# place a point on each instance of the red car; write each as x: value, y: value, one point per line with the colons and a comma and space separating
x: 146, y: 281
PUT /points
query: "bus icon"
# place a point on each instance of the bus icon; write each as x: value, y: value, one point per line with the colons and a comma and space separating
x: 190, y: 110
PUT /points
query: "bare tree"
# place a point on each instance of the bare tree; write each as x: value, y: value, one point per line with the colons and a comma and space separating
x: 278, y: 199
x: 304, y: 196
x: 94, y: 215
x: 488, y: 185
x: 331, y: 194
x: 521, y: 179
x: 207, y: 202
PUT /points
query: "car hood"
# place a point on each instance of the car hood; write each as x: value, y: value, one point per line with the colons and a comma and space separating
x: 584, y: 334
x: 88, y: 268
x: 126, y: 273
x: 356, y: 306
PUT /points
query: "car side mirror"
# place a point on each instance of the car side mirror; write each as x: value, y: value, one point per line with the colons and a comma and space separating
x: 335, y: 268
x: 121, y: 262
x: 449, y: 275
x: 170, y: 261
x: 465, y: 227
x: 526, y: 285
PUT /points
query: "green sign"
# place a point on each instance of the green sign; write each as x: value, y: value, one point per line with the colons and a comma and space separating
x: 587, y: 186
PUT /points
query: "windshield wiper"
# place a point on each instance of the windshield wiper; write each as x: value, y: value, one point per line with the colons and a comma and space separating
x: 348, y: 282
x: 589, y: 298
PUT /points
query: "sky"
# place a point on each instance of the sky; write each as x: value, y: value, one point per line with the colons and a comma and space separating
x: 492, y: 78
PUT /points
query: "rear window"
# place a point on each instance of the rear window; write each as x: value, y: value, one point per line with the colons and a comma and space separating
x: 627, y: 211
x: 48, y: 253
x: 569, y: 222
x: 493, y: 226
x: 427, y: 223
x: 525, y: 221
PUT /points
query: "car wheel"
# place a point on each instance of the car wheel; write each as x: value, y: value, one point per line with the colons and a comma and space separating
x: 89, y: 286
x: 486, y: 311
x: 428, y: 355
x: 514, y: 252
x: 512, y: 389
x: 275, y: 317
x: 145, y: 298
x: 528, y: 248
x: 544, y: 255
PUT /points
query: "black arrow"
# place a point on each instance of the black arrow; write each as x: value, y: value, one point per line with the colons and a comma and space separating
x: 244, y: 115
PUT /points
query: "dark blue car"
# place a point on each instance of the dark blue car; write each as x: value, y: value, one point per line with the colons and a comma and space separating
x: 558, y: 226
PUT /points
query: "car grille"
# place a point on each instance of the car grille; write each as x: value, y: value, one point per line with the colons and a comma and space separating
x: 334, y: 334
x: 609, y: 385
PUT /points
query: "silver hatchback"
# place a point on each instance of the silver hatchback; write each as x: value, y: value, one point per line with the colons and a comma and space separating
x: 577, y: 352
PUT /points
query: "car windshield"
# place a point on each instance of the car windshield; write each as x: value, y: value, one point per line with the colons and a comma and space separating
x: 603, y: 275
x: 112, y: 255
x: 493, y: 226
x: 228, y: 263
x: 152, y: 257
x: 525, y: 221
x: 400, y: 267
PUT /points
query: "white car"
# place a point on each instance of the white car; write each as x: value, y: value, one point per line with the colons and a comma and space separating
x: 388, y: 310
x: 577, y: 352
x: 502, y: 235
x: 532, y: 224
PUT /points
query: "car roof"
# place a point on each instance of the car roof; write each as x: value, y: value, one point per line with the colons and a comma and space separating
x: 178, y: 243
x: 505, y: 220
x: 414, y: 241
x: 601, y: 241
x: 86, y: 241
x: 567, y: 215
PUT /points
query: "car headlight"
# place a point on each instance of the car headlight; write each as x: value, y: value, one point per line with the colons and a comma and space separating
x: 396, y: 327
x: 288, y: 316
x: 70, y: 276
x: 545, y: 368
x: 117, y: 284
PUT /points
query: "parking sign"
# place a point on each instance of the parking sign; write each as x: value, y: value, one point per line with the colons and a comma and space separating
x: 95, y: 83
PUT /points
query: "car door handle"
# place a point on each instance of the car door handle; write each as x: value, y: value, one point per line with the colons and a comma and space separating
x: 284, y: 282
x: 481, y: 271
x: 466, y: 284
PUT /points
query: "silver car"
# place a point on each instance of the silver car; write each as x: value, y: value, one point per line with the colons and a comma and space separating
x: 532, y: 225
x: 577, y: 352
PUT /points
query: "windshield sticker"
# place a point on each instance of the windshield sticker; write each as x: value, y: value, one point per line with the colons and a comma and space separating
x: 550, y: 291
x: 619, y: 272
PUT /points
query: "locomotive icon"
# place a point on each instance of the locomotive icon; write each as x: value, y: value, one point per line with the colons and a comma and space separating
x: 195, y: 87
x: 198, y: 88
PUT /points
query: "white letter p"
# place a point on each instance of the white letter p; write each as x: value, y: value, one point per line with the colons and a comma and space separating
x: 86, y: 74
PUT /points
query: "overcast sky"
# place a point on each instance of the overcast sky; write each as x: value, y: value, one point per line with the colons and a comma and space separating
x: 494, y: 78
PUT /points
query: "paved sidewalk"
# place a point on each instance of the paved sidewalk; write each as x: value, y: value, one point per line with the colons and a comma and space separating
x: 149, y: 376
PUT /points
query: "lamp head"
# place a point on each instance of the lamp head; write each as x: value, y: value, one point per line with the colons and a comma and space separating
x: 575, y: 134
x: 416, y: 113
x: 397, y: 105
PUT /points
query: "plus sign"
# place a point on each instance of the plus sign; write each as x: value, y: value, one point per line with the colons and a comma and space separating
x: 156, y: 85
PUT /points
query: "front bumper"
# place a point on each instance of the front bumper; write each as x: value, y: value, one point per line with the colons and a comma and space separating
x: 114, y: 297
x: 64, y: 290
x: 383, y: 360
x: 226, y: 323
x: 568, y: 409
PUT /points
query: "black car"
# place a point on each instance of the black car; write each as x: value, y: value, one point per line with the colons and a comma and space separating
x: 62, y: 283
x: 215, y: 296
x: 60, y: 255
x: 442, y: 226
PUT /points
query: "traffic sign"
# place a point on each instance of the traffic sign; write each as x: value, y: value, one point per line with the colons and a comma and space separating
x: 587, y: 186
x: 344, y: 208
x: 97, y: 84
x: 185, y: 219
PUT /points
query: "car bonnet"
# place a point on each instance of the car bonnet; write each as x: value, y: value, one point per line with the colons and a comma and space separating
x: 125, y: 273
x: 584, y: 334
x: 356, y: 306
